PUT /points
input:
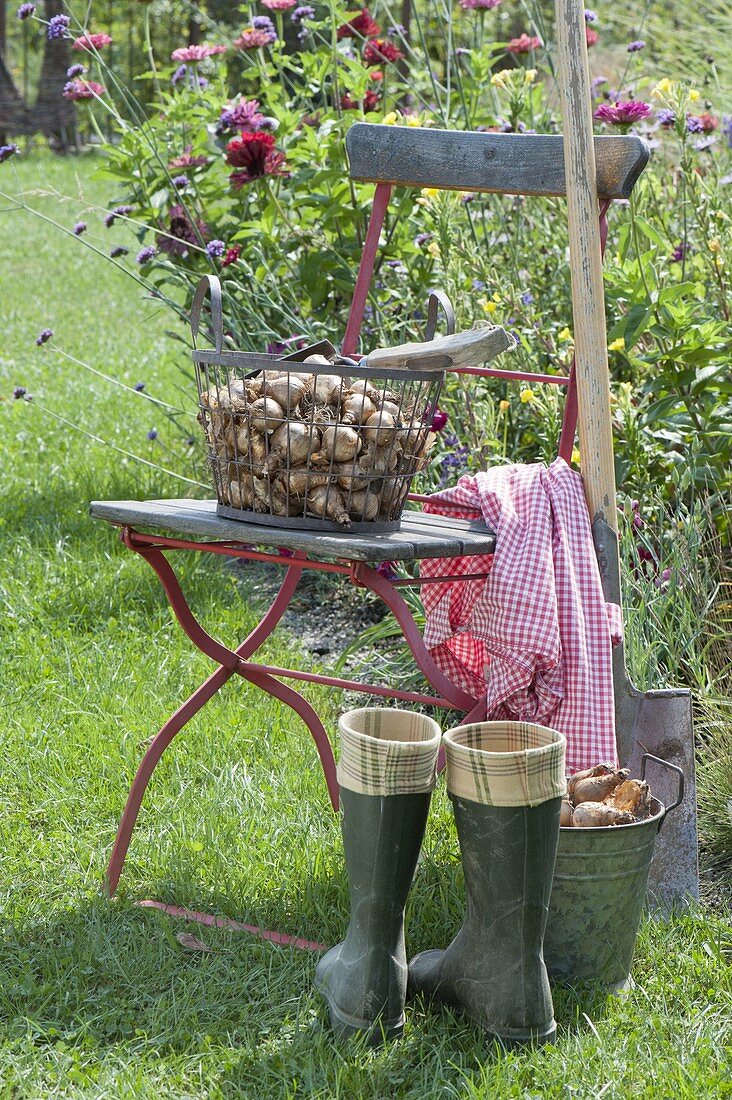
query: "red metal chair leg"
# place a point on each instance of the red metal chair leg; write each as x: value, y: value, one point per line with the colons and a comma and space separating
x: 199, y: 697
x: 149, y: 762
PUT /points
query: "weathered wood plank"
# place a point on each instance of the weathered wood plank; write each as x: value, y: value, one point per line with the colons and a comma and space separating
x: 421, y: 536
x: 512, y: 164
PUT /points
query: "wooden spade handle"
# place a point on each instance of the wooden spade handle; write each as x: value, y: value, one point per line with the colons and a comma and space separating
x: 585, y: 259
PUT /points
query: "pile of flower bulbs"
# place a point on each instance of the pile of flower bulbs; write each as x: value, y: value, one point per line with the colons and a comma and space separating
x: 602, y: 796
x: 295, y: 443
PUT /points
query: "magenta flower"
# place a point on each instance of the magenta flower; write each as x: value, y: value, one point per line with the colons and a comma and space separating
x: 253, y: 39
x: 622, y: 114
x: 523, y: 44
x: 279, y: 5
x: 484, y: 5
x: 82, y: 89
x: 190, y: 55
x: 439, y: 420
x: 91, y: 42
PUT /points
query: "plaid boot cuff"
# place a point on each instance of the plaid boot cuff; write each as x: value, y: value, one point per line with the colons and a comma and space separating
x: 386, y: 751
x: 505, y: 763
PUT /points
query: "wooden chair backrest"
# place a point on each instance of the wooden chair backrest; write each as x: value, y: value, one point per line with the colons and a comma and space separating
x: 509, y: 164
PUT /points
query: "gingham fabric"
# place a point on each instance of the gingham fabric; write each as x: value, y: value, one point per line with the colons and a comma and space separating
x: 505, y: 763
x: 536, y: 634
x: 387, y: 751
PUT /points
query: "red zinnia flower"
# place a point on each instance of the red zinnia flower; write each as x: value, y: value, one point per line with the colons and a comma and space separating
x: 189, y: 55
x: 705, y: 123
x: 363, y: 26
x: 591, y: 35
x: 380, y: 51
x: 91, y: 41
x: 523, y: 44
x: 232, y: 255
x: 255, y: 154
x: 370, y: 102
x: 181, y: 233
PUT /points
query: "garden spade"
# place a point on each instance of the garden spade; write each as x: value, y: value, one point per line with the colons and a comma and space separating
x: 658, y: 722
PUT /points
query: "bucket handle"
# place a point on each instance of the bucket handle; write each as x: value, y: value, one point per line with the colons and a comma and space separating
x: 679, y: 775
x: 209, y: 284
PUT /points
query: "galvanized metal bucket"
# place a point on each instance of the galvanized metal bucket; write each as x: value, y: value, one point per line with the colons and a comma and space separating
x: 599, y: 888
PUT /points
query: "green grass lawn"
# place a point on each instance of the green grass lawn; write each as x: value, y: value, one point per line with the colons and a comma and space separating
x: 98, y: 998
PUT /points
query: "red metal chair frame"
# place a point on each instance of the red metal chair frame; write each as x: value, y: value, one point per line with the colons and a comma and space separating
x: 269, y: 678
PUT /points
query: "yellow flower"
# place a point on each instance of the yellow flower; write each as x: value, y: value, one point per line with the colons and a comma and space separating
x: 412, y: 120
x: 496, y: 297
x: 429, y: 192
x: 390, y: 119
x: 433, y: 249
x: 565, y: 334
x: 499, y: 79
x: 694, y: 96
x: 663, y: 88
x: 527, y: 396
x: 504, y: 406
x: 575, y: 455
x: 617, y: 345
x: 529, y: 76
x: 488, y: 305
x: 714, y: 245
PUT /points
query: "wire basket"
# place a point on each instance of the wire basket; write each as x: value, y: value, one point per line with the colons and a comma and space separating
x: 326, y: 445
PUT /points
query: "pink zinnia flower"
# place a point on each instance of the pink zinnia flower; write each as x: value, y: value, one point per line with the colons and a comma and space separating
x: 622, y: 114
x: 189, y: 55
x: 380, y: 51
x: 485, y: 5
x: 252, y: 39
x: 362, y: 26
x: 255, y: 155
x: 82, y: 89
x: 187, y: 160
x: 591, y: 35
x: 524, y: 44
x: 279, y: 5
x: 91, y: 42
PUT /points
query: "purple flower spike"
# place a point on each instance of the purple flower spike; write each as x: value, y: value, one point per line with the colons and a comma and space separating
x: 19, y: 391
x: 8, y: 151
x: 152, y: 434
x: 140, y: 386
x: 44, y: 336
x: 215, y: 249
x: 25, y: 11
x: 146, y: 254
x: 118, y: 250
x: 79, y: 228
x: 590, y: 16
x: 57, y: 26
x: 74, y: 70
x: 527, y: 298
x: 635, y: 47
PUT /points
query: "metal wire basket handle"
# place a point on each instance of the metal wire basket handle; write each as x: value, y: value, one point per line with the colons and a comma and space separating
x: 438, y: 300
x: 209, y: 284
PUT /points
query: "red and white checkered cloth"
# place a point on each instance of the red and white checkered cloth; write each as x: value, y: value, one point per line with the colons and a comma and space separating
x: 536, y: 634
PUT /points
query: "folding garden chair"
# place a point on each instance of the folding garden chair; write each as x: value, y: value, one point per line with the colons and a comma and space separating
x: 530, y: 164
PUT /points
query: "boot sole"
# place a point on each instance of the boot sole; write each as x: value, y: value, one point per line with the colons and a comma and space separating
x: 511, y: 1037
x: 346, y: 1026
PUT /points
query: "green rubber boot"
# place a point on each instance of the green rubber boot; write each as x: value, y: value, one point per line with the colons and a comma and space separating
x: 392, y: 756
x: 494, y: 968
